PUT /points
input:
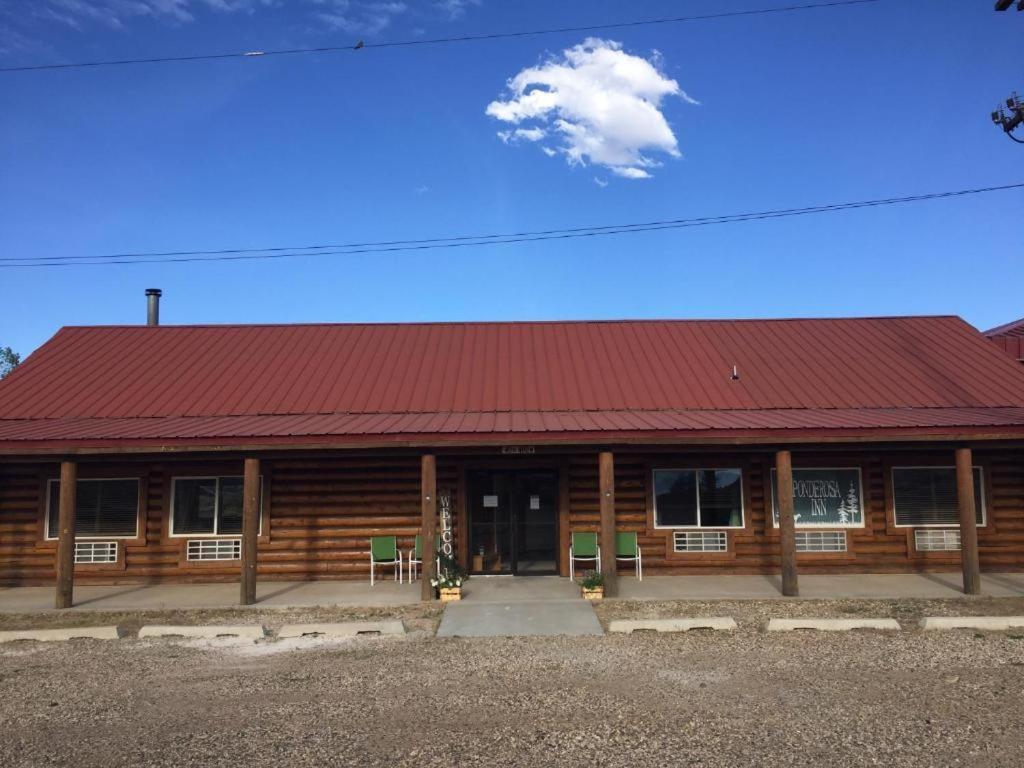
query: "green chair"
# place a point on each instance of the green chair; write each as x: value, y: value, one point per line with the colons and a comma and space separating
x: 627, y: 548
x: 416, y: 556
x: 584, y: 547
x: 384, y: 551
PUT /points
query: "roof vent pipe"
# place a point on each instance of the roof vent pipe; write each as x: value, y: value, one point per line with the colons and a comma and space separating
x: 153, y: 306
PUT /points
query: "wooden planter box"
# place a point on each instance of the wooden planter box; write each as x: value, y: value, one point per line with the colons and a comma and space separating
x: 593, y: 594
x: 450, y: 595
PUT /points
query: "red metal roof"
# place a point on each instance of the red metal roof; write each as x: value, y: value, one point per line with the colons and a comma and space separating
x: 481, y: 381
x: 1013, y: 328
x: 1009, y: 338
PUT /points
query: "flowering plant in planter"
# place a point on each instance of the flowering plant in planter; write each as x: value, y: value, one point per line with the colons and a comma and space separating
x: 593, y: 585
x: 448, y: 581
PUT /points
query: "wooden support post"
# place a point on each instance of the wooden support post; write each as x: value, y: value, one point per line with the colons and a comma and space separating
x: 787, y: 523
x: 968, y: 521
x: 66, y: 534
x: 250, y: 528
x: 428, y: 508
x: 606, y: 488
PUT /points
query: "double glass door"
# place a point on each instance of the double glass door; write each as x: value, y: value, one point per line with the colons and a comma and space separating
x: 513, y: 521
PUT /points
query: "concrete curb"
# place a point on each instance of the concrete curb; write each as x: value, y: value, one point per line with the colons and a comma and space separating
x: 343, y: 629
x: 831, y: 625
x: 51, y: 635
x: 672, y: 625
x: 209, y: 631
x: 989, y: 623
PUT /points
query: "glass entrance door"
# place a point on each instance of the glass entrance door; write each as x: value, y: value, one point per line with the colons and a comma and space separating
x: 513, y: 520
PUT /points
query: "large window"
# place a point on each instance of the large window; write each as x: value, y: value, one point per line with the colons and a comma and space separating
x: 926, y: 496
x: 824, y: 498
x: 207, y: 506
x: 698, y: 498
x: 103, y: 508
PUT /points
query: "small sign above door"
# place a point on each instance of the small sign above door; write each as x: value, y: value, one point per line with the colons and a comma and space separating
x: 518, y: 450
x: 490, y: 501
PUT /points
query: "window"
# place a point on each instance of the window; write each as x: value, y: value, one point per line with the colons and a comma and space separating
x: 700, y: 541
x: 824, y: 498
x: 698, y: 498
x: 214, y: 549
x: 93, y: 552
x: 103, y: 508
x: 821, y: 541
x: 207, y: 506
x: 926, y: 496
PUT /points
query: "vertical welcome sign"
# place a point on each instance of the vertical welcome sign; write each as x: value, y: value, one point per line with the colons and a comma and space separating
x: 447, y: 537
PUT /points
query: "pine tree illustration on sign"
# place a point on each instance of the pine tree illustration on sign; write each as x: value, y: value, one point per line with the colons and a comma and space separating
x: 849, y: 507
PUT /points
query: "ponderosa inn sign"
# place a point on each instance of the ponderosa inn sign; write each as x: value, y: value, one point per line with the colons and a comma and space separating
x: 828, y: 498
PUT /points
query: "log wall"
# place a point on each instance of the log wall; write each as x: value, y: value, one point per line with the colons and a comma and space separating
x: 319, y: 514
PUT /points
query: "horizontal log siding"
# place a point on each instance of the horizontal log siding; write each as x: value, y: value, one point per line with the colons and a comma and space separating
x: 20, y: 560
x: 322, y: 513
x: 321, y: 516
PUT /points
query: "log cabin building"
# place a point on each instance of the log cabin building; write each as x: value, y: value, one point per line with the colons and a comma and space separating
x: 211, y: 453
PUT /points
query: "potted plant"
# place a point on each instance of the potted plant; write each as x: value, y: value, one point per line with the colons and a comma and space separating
x: 448, y: 581
x: 593, y: 586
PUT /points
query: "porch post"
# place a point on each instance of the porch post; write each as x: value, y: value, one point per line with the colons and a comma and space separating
x: 66, y: 534
x: 968, y: 521
x: 606, y: 487
x: 787, y: 524
x: 428, y: 509
x: 250, y: 528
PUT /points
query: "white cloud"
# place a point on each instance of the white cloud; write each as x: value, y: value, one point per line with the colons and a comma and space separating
x: 600, y: 182
x: 603, y: 103
x: 522, y: 134
x: 117, y: 13
x: 456, y: 8
x: 359, y: 18
x: 627, y: 172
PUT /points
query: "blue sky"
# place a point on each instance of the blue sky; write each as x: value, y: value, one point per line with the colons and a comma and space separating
x: 796, y: 109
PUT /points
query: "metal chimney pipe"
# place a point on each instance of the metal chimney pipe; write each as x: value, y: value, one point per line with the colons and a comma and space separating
x: 153, y: 306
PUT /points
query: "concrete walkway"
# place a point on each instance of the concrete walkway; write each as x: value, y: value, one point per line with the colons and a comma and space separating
x: 504, y: 590
x: 269, y: 594
x: 507, y: 606
x: 819, y: 586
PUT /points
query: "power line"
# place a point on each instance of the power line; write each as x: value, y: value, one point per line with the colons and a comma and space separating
x: 619, y: 228
x: 462, y: 241
x: 437, y: 40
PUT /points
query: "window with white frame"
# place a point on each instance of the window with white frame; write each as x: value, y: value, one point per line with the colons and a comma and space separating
x: 104, y: 508
x: 698, y: 498
x: 925, y: 497
x: 207, y: 506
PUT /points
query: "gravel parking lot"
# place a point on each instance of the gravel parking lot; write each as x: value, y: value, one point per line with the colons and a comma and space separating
x: 728, y: 699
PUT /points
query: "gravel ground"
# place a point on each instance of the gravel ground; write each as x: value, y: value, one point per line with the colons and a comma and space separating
x: 419, y: 617
x: 754, y: 614
x: 746, y: 698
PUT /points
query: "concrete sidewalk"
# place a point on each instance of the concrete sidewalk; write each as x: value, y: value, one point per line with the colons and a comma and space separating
x: 505, y: 590
x: 526, y: 606
x: 817, y: 586
x: 269, y: 594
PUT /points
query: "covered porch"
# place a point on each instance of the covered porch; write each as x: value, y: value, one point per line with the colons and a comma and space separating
x: 305, y: 525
